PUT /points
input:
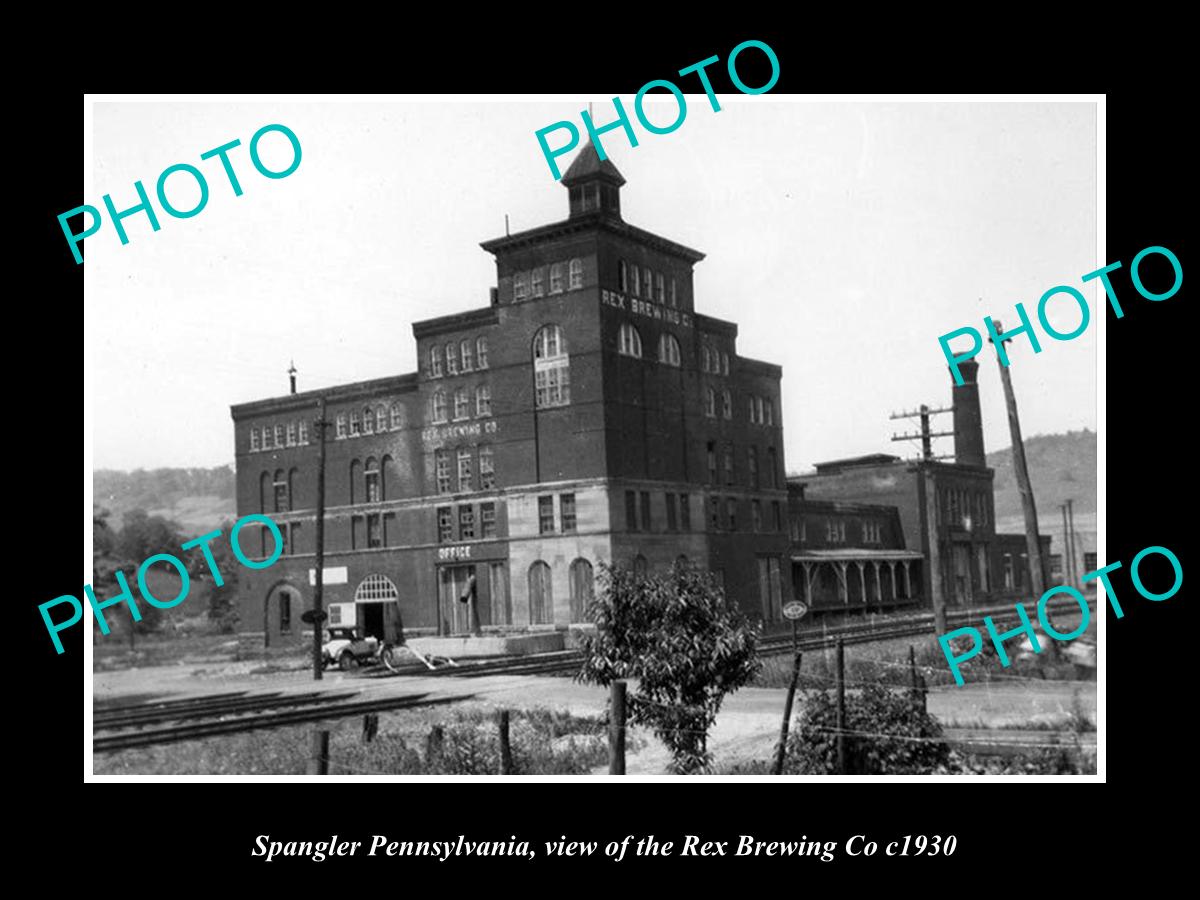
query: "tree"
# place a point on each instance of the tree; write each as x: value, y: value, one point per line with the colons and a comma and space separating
x: 890, y: 734
x: 683, y: 643
x: 221, y: 606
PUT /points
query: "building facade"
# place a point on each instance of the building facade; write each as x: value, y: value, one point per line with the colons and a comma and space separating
x: 588, y: 413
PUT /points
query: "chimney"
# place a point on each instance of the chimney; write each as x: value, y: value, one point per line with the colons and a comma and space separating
x: 968, y: 420
x: 292, y: 375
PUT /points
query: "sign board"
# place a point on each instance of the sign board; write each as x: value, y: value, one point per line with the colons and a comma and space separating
x: 311, y: 616
x: 333, y: 575
x: 794, y: 610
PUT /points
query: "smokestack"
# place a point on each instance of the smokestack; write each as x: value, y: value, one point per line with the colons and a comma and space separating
x: 968, y: 420
x: 292, y: 375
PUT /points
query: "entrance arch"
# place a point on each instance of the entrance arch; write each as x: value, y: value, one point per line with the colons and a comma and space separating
x: 582, y: 586
x: 281, y: 612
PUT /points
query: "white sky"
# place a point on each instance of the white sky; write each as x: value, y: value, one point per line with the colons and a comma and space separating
x: 842, y: 238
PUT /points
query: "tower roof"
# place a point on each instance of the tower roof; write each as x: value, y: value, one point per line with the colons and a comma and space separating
x: 587, y: 165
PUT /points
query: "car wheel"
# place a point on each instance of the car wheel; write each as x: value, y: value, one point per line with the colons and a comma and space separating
x: 346, y: 661
x: 391, y: 658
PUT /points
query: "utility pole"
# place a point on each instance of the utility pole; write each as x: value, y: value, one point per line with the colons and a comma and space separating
x: 937, y: 597
x: 1071, y: 530
x: 319, y: 577
x: 1068, y: 568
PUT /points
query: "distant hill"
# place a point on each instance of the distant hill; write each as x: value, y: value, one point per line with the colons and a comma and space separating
x: 197, y: 499
x: 1061, y: 466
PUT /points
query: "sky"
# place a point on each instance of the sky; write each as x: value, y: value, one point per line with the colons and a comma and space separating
x: 843, y: 239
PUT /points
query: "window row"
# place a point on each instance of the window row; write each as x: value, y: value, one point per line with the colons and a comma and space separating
x: 276, y: 437
x: 767, y: 476
x: 466, y: 355
x: 762, y: 410
x: 456, y: 470
x: 540, y: 584
x: 532, y: 284
x: 462, y: 523
x: 676, y: 507
x: 566, y: 514
x: 960, y: 507
x: 440, y: 407
x: 723, y: 515
x: 376, y: 419
x: 645, y: 282
x: 713, y: 361
x: 629, y: 343
x: 289, y: 532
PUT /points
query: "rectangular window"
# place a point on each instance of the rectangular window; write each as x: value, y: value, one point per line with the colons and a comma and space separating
x: 285, y: 613
x: 552, y: 381
x: 266, y: 437
x: 462, y: 406
x: 445, y: 520
x: 566, y: 509
x: 622, y: 277
x: 714, y: 513
x: 464, y: 470
x: 672, y: 296
x: 374, y: 531
x: 487, y: 520
x: 731, y: 513
x: 546, y: 514
x: 481, y: 351
x: 291, y: 434
x: 756, y: 515
x: 712, y: 462
x: 777, y: 515
x: 685, y: 512
x: 539, y: 284
x: 278, y: 435
x: 646, y: 511
x: 648, y: 283
x: 772, y: 468
x: 764, y: 589
x: 1089, y: 561
x: 660, y: 290
x: 435, y: 362
x: 466, y: 522
x: 483, y: 400
x: 487, y: 468
x: 729, y: 463
x: 1008, y: 571
x: 303, y: 432
x: 498, y: 581
x: 254, y: 445
x: 520, y: 286
x: 633, y: 280
x: 281, y: 497
x: 442, y: 462
x: 631, y: 511
x: 752, y: 464
x: 293, y: 538
x: 556, y: 278
x: 1056, y: 565
x: 672, y: 523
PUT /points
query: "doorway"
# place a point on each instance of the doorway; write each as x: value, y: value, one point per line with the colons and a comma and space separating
x: 370, y: 620
x: 454, y: 616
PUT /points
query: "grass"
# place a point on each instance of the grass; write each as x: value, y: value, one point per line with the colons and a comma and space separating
x: 412, y: 742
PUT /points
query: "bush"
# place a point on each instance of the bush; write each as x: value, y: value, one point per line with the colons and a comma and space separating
x: 917, y: 747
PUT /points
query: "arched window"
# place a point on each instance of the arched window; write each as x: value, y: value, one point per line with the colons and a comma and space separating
x: 556, y: 278
x: 725, y: 363
x: 576, y: 274
x: 639, y: 566
x: 623, y: 277
x: 541, y: 595
x: 481, y: 353
x: 373, y: 482
x: 551, y: 367
x: 282, y: 501
x: 629, y: 342
x: 753, y: 414
x: 435, y: 362
x: 582, y: 583
x: 770, y: 407
x: 762, y: 417
x: 727, y: 404
x: 671, y: 296
x: 466, y: 351
x: 376, y: 587
x: 355, y: 474
x: 368, y: 422
x: 710, y: 403
x: 705, y: 365
x: 439, y: 406
x: 660, y: 290
x: 451, y: 353
x: 397, y: 417
x: 483, y: 400
x: 633, y: 279
x: 648, y: 283
x: 668, y: 349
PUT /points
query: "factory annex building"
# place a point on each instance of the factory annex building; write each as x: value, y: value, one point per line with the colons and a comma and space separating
x: 588, y: 413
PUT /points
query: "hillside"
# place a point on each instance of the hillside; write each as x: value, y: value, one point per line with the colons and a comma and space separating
x: 1061, y: 467
x: 197, y: 499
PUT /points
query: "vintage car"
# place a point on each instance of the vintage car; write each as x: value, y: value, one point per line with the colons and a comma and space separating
x: 348, y: 648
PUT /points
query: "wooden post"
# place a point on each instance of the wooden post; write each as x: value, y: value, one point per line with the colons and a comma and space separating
x: 319, y: 576
x: 616, y: 729
x: 841, y: 706
x: 781, y: 750
x: 937, y: 595
x: 318, y: 763
x: 370, y: 727
x: 433, y: 746
x: 506, y: 760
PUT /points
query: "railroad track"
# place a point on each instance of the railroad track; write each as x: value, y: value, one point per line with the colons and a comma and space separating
x: 241, y: 718
x: 207, y: 707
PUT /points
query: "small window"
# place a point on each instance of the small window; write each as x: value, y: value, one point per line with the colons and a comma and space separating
x: 442, y: 466
x: 341, y: 426
x: 303, y: 428
x: 758, y: 403
x: 712, y: 462
x: 397, y: 417
x: 278, y: 436
x: 727, y: 404
x: 566, y: 509
x: 576, y: 274
x: 633, y: 279
x: 487, y: 468
x: 685, y: 512
x: 728, y: 454
x: 291, y: 434
x: 777, y: 515
x: 647, y: 283
x: 481, y: 359
x: 285, y: 612
x: 731, y: 513
x: 538, y: 283
x: 710, y: 403
x: 451, y: 359
x: 487, y: 520
x: 546, y: 514
x: 254, y: 444
x: 355, y: 427
x: 629, y: 342
x: 772, y: 468
x: 371, y: 475
x: 671, y: 298
x: 381, y: 419
x: 756, y: 515
x: 466, y: 352
x: 483, y: 400
x: 770, y: 408
x: 439, y: 406
x: 520, y: 286
x: 672, y: 522
x: 374, y: 530
x: 660, y: 289
x: 462, y: 404
x: 368, y: 420
x: 464, y: 470
x: 725, y: 363
x: 445, y: 520
x: 623, y: 277
x: 435, y: 362
x: 704, y: 358
x: 282, y: 500
x: 466, y: 522
x: 556, y: 278
x: 752, y: 465
x: 714, y: 513
x: 646, y: 523
x: 668, y: 349
x: 631, y: 511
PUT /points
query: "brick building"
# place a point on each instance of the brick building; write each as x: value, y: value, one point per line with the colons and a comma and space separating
x: 587, y: 413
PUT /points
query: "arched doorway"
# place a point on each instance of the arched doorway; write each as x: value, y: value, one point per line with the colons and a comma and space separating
x: 541, y: 595
x: 281, y: 613
x: 377, y: 608
x: 582, y: 587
